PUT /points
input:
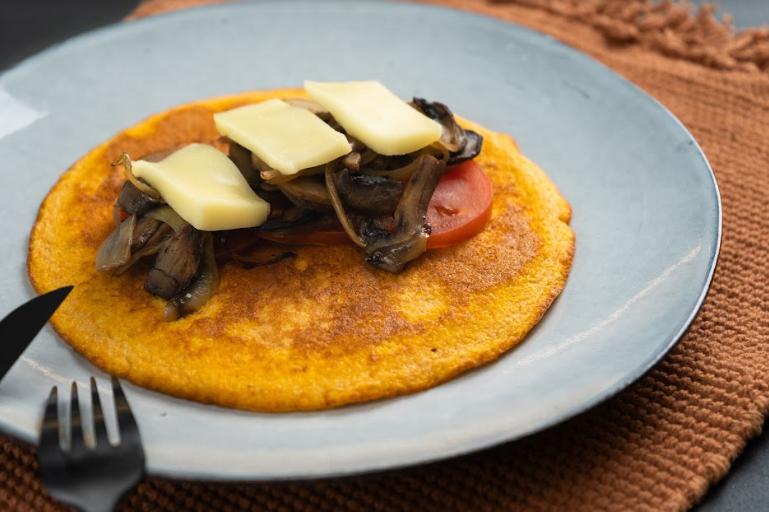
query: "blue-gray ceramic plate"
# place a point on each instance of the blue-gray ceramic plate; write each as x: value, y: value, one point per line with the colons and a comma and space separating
x: 646, y: 217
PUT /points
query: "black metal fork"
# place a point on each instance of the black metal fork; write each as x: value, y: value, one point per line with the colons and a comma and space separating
x: 91, y: 479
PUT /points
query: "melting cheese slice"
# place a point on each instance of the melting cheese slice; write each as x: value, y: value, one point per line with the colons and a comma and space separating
x: 205, y: 188
x: 287, y: 138
x: 372, y: 114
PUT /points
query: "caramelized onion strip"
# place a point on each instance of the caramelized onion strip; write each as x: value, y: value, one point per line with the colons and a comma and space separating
x: 336, y: 203
x: 125, y: 161
x: 169, y: 216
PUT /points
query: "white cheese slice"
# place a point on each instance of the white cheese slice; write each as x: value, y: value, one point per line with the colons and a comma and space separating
x: 287, y: 138
x: 205, y: 188
x: 372, y: 114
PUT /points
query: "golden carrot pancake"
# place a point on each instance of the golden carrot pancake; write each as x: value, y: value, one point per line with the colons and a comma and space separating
x: 317, y: 331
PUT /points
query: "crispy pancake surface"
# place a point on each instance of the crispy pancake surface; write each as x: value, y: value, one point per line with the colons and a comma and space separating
x: 313, y: 332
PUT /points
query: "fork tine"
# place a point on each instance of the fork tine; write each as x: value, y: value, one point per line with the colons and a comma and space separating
x: 99, y: 427
x: 129, y: 430
x: 77, y: 441
x: 49, y: 434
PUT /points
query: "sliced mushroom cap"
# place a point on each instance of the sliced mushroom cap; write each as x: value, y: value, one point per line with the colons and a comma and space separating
x: 412, y: 208
x: 391, y: 252
x: 152, y: 246
x: 472, y: 148
x: 369, y: 194
x: 241, y: 157
x: 116, y: 249
x: 133, y: 239
x: 201, y: 288
x: 308, y: 193
x: 463, y: 144
x: 176, y: 264
x: 452, y: 134
x: 145, y: 228
x: 133, y: 200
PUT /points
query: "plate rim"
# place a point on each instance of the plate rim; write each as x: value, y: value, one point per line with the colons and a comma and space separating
x: 487, y: 442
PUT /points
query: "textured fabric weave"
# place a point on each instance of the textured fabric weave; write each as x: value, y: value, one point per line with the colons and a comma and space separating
x: 660, y: 444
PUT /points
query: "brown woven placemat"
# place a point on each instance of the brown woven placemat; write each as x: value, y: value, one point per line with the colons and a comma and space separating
x: 661, y: 443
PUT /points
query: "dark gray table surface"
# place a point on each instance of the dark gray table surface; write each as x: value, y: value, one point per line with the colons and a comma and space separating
x: 27, y: 27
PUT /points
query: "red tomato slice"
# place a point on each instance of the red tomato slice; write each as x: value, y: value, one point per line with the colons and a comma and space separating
x: 461, y: 205
x: 459, y: 209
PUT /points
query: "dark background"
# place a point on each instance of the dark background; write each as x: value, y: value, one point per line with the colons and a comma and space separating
x: 27, y: 27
